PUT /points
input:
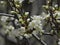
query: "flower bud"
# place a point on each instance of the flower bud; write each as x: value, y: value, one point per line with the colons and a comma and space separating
x: 18, y: 6
x: 26, y: 13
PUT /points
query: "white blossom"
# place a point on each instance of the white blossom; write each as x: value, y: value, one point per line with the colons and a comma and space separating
x: 26, y: 13
x: 28, y: 19
x: 56, y: 5
x: 59, y: 42
x: 16, y: 21
x: 28, y: 35
x: 21, y: 37
x: 1, y: 2
x: 36, y: 17
x: 12, y: 18
x: 4, y: 18
x: 36, y: 23
x: 20, y: 1
x: 57, y: 12
x: 10, y: 27
x: 22, y: 30
x: 7, y: 31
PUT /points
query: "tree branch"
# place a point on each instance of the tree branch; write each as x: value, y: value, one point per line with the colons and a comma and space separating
x: 4, y: 14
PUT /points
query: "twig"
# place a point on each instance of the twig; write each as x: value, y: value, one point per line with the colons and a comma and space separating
x: 4, y: 14
x: 39, y: 39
